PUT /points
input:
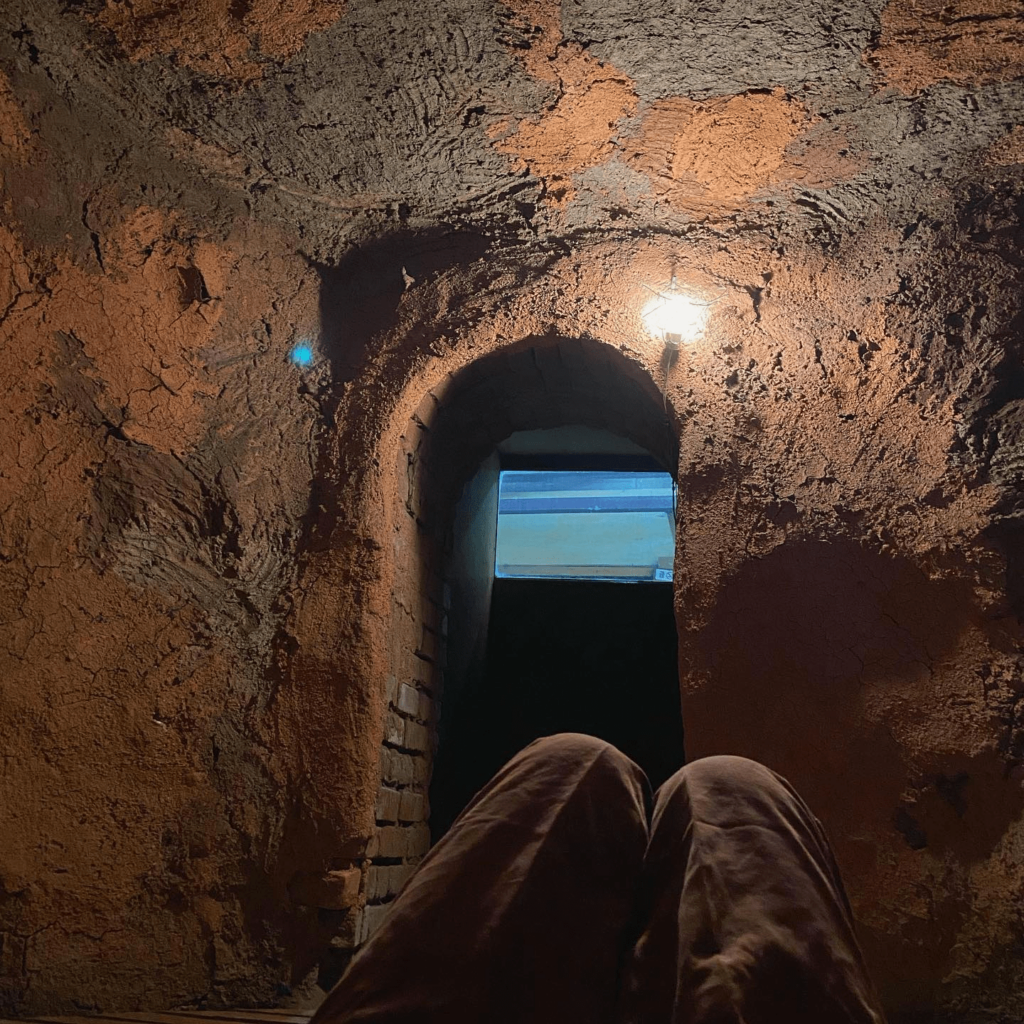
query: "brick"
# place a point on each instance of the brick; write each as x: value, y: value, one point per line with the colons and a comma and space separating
x: 425, y: 710
x: 391, y: 689
x: 400, y: 768
x: 351, y: 849
x: 372, y: 918
x: 420, y: 503
x: 394, y: 730
x: 412, y: 669
x: 398, y: 875
x: 429, y: 646
x: 433, y: 587
x: 406, y: 769
x: 417, y: 737
x: 377, y: 883
x: 406, y: 632
x: 334, y: 890
x: 411, y: 806
x: 421, y: 771
x: 392, y: 841
x: 341, y: 889
x: 418, y: 840
x: 387, y: 880
x: 408, y: 700
x: 429, y: 678
x: 401, y: 842
x: 414, y: 434
x: 404, y: 468
x: 412, y: 554
x: 428, y: 547
x: 388, y: 804
x: 347, y: 933
x: 430, y: 615
x: 443, y: 388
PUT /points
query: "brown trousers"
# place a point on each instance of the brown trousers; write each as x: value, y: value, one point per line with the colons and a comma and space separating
x: 551, y: 902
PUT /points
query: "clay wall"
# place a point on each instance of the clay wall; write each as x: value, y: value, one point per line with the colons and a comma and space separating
x: 222, y: 601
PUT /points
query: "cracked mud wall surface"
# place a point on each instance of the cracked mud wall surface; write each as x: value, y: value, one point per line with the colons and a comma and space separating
x: 153, y: 478
x: 220, y: 37
x: 198, y: 538
x: 967, y: 42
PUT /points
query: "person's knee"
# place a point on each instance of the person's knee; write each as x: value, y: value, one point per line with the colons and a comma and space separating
x: 728, y: 789
x: 722, y: 778
x: 731, y: 770
x: 571, y: 744
x: 571, y: 755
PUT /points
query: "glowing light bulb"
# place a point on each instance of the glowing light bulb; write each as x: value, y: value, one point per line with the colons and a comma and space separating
x: 302, y: 355
x: 675, y: 317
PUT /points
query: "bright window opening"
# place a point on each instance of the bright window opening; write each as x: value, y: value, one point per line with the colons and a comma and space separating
x: 592, y: 525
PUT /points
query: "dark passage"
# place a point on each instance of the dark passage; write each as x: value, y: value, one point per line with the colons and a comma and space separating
x: 563, y: 656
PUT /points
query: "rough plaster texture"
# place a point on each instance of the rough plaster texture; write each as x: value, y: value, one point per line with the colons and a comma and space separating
x: 220, y: 37
x: 205, y: 551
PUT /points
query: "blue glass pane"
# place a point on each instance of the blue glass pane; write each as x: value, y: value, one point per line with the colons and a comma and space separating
x: 586, y: 525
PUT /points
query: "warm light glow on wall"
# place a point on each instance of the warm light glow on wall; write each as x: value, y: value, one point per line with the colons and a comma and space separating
x: 674, y: 316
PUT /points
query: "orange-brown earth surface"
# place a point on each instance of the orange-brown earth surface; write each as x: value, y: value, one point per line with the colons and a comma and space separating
x: 203, y: 545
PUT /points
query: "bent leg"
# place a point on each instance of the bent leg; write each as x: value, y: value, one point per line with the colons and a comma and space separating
x: 744, y: 916
x: 519, y: 913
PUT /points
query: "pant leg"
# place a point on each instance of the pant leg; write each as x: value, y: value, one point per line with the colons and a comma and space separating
x: 519, y: 915
x: 744, y: 919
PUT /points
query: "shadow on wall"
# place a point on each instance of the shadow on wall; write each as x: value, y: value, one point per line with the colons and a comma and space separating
x: 359, y: 302
x: 360, y: 296
x: 834, y: 665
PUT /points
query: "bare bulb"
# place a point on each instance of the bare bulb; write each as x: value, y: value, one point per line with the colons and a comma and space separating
x: 674, y: 317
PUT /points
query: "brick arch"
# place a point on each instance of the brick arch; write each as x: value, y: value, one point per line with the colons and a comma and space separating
x: 539, y: 383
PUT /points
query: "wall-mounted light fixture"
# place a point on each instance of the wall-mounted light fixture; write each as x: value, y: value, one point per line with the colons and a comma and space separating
x: 674, y: 316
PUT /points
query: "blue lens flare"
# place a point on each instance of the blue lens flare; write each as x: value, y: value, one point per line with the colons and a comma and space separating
x: 302, y: 355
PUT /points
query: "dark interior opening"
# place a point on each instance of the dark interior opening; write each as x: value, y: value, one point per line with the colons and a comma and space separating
x: 529, y: 657
x: 564, y: 656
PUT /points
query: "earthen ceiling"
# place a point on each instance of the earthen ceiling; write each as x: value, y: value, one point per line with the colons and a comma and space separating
x: 345, y: 121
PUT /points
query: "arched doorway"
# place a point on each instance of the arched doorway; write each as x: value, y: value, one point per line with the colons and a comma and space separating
x: 439, y: 620
x: 527, y: 657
